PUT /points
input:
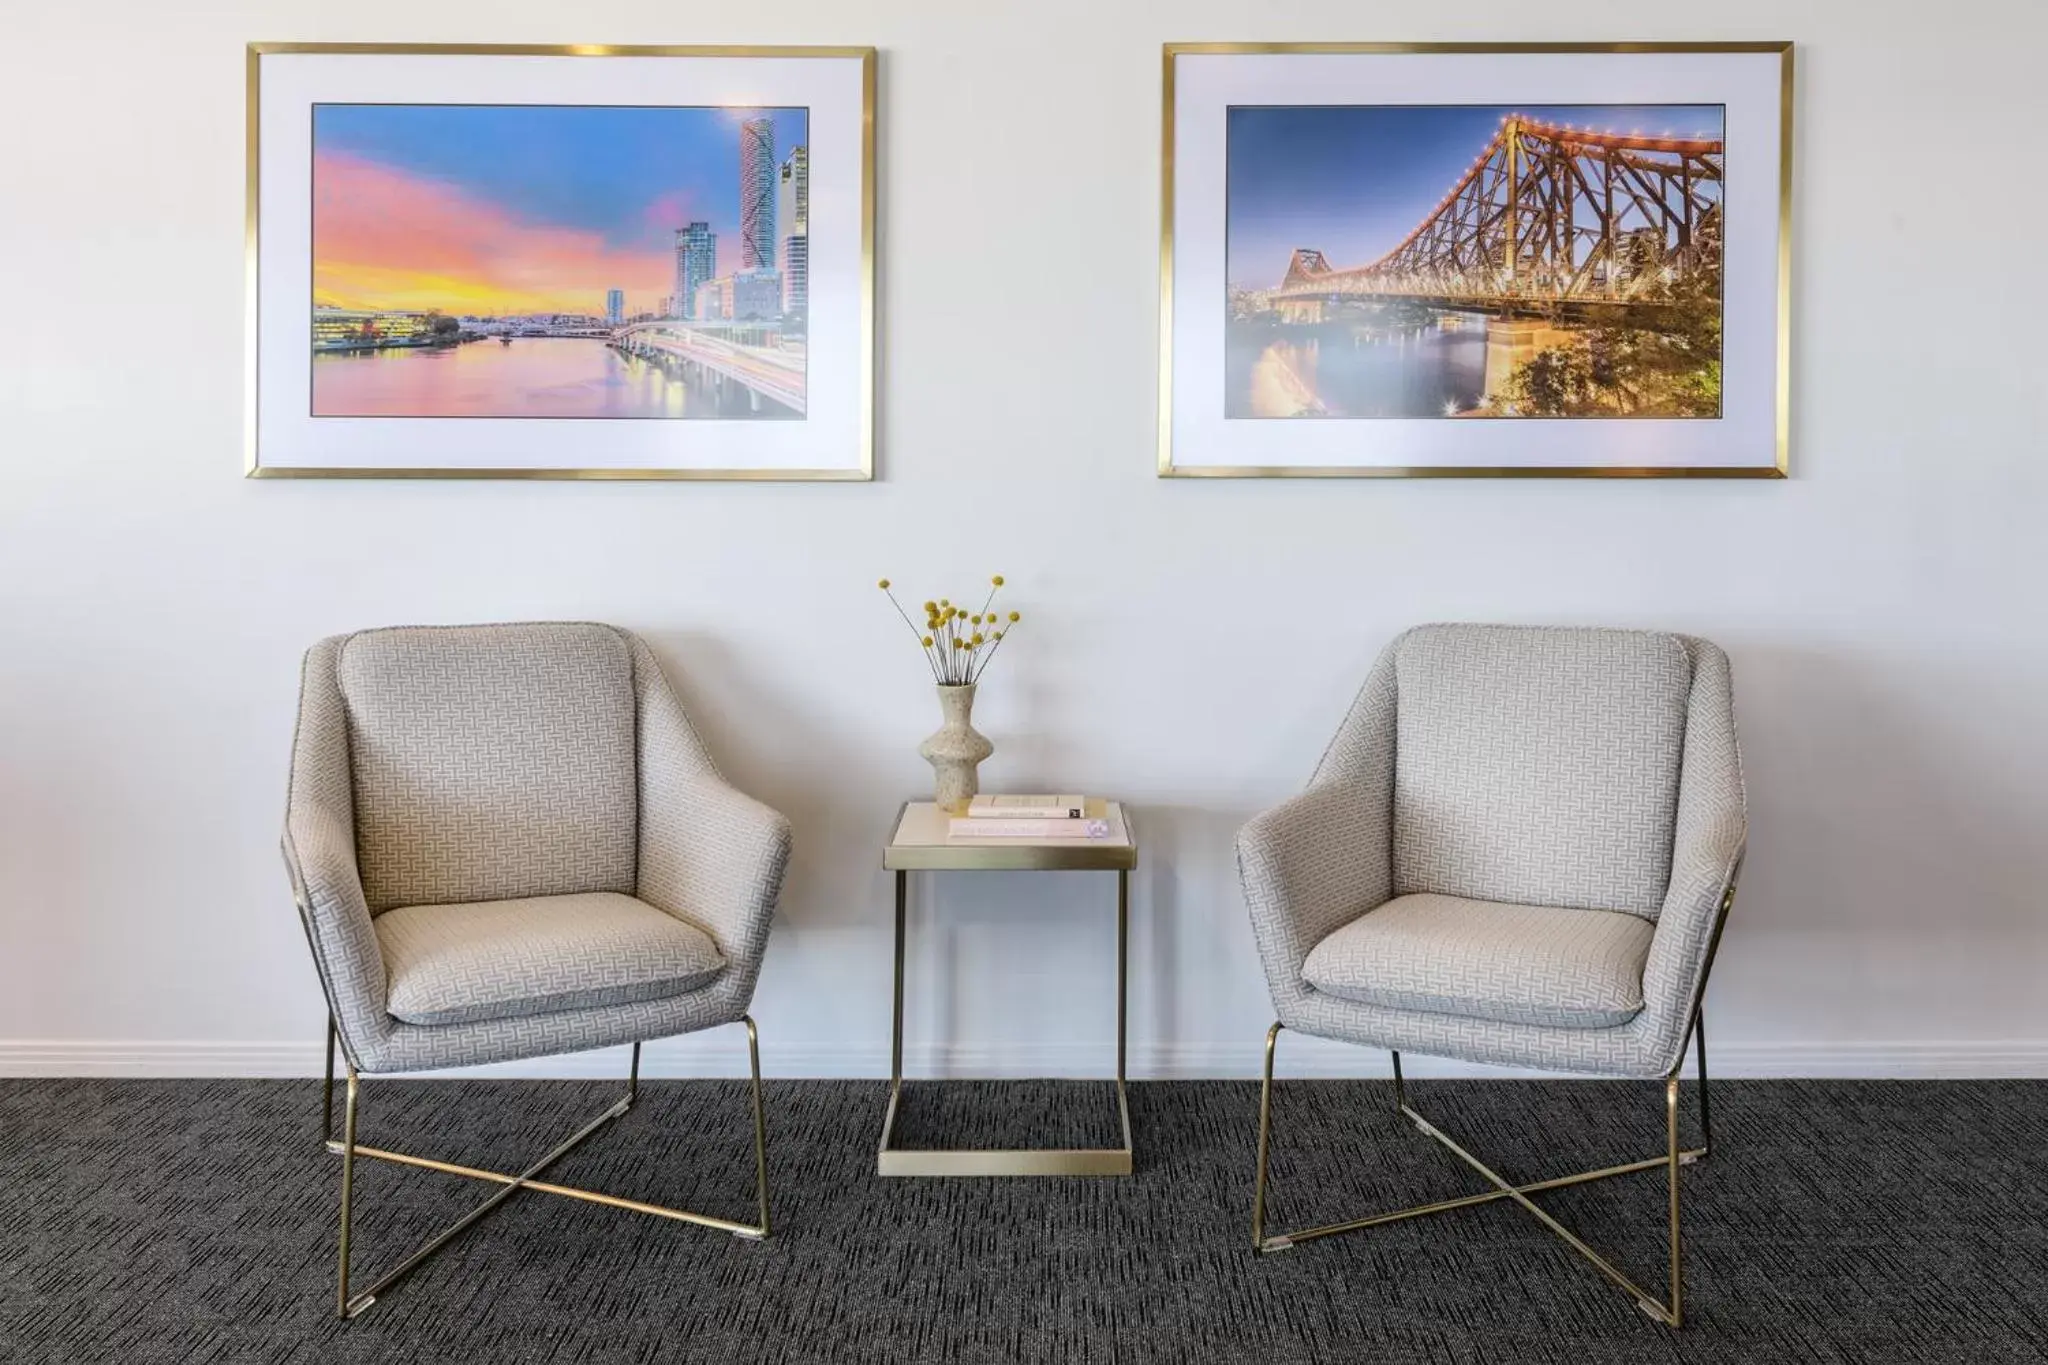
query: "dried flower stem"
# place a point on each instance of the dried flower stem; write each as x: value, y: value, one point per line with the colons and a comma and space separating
x: 930, y: 659
x: 957, y: 645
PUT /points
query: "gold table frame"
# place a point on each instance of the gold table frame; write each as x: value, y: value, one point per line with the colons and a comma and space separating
x: 1119, y: 856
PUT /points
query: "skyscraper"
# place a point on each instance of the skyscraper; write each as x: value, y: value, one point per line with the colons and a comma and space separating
x: 614, y: 306
x: 796, y: 276
x: 793, y: 214
x: 757, y: 194
x: 696, y: 262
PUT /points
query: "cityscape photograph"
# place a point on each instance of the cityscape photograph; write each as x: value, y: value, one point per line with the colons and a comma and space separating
x: 559, y: 261
x: 1465, y: 261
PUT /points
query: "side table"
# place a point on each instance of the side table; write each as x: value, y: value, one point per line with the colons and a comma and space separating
x: 918, y: 842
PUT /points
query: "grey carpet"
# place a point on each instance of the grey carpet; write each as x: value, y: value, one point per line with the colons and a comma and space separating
x: 158, y: 1221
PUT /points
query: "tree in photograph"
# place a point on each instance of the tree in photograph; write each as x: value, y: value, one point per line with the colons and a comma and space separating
x: 1553, y: 383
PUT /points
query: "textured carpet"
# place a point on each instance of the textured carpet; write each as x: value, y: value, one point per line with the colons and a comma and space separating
x: 155, y: 1221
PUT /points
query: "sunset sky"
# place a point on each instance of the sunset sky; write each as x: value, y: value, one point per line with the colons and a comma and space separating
x: 495, y: 209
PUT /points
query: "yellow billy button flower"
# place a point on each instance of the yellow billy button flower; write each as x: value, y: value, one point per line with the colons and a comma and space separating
x: 1014, y: 617
x: 997, y: 580
x: 883, y: 585
x: 927, y: 642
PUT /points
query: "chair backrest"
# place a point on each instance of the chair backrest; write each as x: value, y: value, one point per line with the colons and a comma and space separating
x: 491, y: 762
x: 1538, y: 765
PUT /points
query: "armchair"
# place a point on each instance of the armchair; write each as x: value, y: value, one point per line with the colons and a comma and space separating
x: 1520, y: 849
x: 506, y: 842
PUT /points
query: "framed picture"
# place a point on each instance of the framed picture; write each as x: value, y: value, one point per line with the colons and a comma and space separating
x: 561, y: 262
x: 1461, y: 259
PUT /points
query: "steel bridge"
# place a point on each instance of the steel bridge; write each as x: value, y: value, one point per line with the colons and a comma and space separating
x: 1550, y: 221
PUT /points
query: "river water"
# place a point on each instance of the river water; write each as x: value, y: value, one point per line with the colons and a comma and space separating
x: 1351, y: 370
x: 532, y: 377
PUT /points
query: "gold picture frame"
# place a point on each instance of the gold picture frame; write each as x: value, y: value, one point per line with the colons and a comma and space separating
x: 1776, y: 467
x: 862, y: 469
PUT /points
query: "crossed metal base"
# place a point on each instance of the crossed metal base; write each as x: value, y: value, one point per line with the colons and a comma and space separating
x: 1671, y: 1312
x: 348, y: 1306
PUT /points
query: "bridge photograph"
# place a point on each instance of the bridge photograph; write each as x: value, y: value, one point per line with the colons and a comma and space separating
x: 541, y: 261
x: 1464, y: 261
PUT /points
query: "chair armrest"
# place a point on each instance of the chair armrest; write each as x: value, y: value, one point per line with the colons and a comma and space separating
x: 1309, y: 866
x: 1710, y: 838
x: 709, y: 853
x: 714, y: 856
x: 1315, y: 863
x: 320, y: 858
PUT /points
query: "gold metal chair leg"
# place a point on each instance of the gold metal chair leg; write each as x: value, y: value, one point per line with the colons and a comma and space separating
x: 760, y: 1127
x: 1699, y: 1034
x: 1675, y: 1315
x: 348, y: 1172
x: 1673, y: 1158
x: 1265, y: 1134
x: 327, y: 1093
x: 348, y: 1305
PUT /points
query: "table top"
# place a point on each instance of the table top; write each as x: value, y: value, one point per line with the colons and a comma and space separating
x: 918, y: 842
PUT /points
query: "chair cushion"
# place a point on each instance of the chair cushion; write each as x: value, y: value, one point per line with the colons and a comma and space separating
x: 1515, y: 964
x: 491, y: 762
x: 453, y: 964
x: 1538, y: 765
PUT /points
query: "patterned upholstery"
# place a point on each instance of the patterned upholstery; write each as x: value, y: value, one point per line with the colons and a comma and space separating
x: 695, y: 848
x: 490, y: 761
x: 452, y: 964
x: 1320, y: 860
x: 1519, y: 964
x: 1538, y: 766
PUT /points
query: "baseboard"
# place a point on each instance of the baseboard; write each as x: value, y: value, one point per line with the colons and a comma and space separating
x: 721, y: 1053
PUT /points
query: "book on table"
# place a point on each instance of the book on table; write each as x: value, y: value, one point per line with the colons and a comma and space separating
x: 1025, y: 827
x: 1057, y: 806
x: 1057, y: 816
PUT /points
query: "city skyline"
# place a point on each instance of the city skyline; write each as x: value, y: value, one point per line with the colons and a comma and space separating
x: 498, y: 210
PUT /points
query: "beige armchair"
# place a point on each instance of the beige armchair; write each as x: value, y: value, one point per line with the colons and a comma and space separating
x: 505, y: 842
x: 1520, y: 849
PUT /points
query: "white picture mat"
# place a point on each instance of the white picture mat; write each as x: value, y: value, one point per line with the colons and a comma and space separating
x: 1747, y: 85
x: 831, y: 436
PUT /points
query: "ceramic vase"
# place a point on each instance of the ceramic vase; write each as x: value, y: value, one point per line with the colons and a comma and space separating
x: 955, y: 750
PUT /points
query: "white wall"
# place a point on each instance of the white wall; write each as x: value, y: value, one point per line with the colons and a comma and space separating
x: 1191, y: 643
